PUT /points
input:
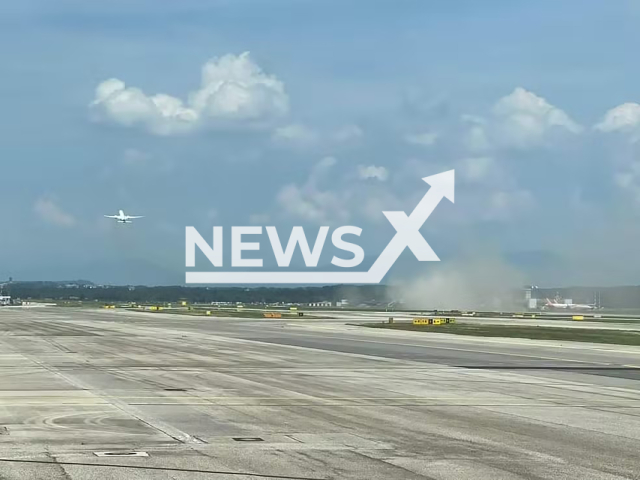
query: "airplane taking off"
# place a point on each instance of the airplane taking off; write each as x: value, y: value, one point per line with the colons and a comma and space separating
x: 122, y: 218
x: 570, y: 306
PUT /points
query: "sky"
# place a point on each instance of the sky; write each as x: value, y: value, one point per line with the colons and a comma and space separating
x: 321, y: 113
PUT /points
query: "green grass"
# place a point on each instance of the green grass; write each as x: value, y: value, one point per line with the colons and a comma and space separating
x: 76, y: 303
x: 612, y: 320
x: 197, y: 312
x: 619, y: 337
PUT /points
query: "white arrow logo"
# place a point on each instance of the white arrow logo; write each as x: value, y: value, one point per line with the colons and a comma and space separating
x: 407, y: 235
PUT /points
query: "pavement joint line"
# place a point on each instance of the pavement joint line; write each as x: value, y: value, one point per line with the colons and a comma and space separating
x: 416, y: 404
x: 176, y: 434
x: 549, y: 421
x: 157, y: 468
x: 294, y: 399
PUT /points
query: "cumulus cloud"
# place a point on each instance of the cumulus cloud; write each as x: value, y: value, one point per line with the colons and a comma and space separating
x: 301, y: 136
x: 476, y: 139
x: 478, y: 169
x: 486, y: 189
x: 233, y: 91
x: 627, y: 179
x: 311, y: 202
x: 623, y: 153
x: 426, y: 139
x: 49, y: 211
x: 313, y: 205
x: 321, y: 168
x: 505, y: 204
x: 371, y: 171
x: 371, y: 202
x: 295, y: 135
x: 330, y: 196
x: 623, y: 118
x: 523, y: 119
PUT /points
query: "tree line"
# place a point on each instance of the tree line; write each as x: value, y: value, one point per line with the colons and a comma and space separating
x: 355, y: 294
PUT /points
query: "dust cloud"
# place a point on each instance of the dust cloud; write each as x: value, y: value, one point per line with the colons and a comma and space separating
x: 486, y: 283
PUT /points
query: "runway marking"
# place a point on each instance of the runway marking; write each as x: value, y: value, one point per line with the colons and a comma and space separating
x: 430, y: 346
x: 502, y: 340
x: 575, y: 346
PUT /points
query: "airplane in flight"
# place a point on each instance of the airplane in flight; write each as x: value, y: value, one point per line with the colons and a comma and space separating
x: 122, y: 217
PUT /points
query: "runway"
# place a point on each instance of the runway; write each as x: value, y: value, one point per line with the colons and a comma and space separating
x: 205, y: 397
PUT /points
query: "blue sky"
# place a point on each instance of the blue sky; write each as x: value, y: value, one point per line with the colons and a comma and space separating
x: 340, y: 107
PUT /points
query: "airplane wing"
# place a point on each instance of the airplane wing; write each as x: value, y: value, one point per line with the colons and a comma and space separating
x: 135, y: 216
x: 111, y: 216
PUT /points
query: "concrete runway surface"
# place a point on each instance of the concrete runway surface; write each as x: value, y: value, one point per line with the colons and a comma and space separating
x: 204, y: 398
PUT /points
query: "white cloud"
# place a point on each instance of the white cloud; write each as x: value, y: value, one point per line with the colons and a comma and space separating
x: 329, y: 197
x: 348, y: 133
x: 485, y: 189
x: 628, y: 180
x: 476, y: 139
x: 234, y: 91
x: 301, y: 136
x: 310, y: 202
x: 295, y: 135
x: 478, y: 169
x: 623, y: 118
x: 523, y: 119
x: 425, y: 139
x: 371, y: 171
x: 504, y: 204
x: 321, y: 168
x: 49, y: 211
x: 372, y: 202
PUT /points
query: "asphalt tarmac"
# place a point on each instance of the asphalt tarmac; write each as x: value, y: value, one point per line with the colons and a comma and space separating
x: 182, y: 397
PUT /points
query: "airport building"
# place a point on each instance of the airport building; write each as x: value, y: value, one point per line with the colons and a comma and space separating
x: 531, y: 300
x: 320, y: 304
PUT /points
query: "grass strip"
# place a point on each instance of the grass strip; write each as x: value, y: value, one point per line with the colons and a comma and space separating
x: 618, y: 337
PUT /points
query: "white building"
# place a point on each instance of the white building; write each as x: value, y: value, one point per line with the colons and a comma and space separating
x: 320, y: 304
